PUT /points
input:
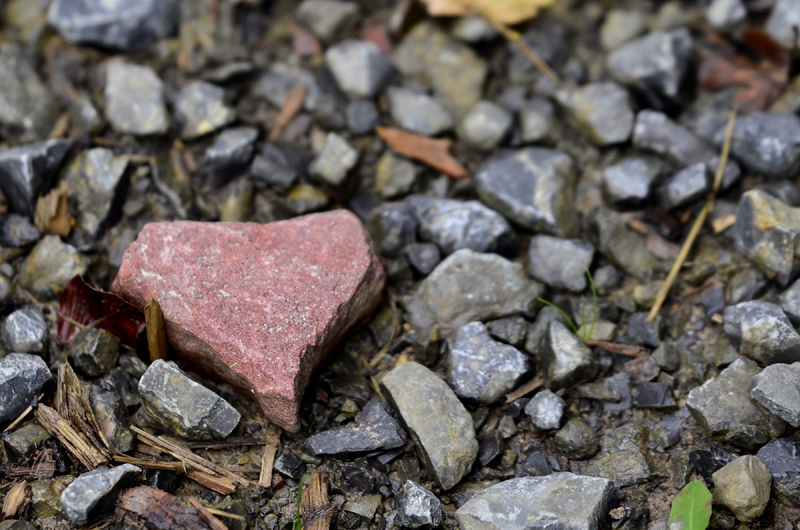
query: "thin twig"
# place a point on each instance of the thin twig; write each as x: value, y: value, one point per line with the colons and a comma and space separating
x: 529, y: 52
x: 698, y: 222
x: 525, y: 389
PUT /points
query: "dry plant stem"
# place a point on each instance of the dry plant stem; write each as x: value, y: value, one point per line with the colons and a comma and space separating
x: 268, y: 459
x: 317, y: 511
x: 620, y: 349
x: 156, y: 330
x: 220, y: 485
x: 232, y: 441
x: 21, y: 416
x: 529, y: 52
x: 76, y: 443
x: 206, y: 516
x: 525, y: 389
x: 15, y: 499
x: 698, y: 222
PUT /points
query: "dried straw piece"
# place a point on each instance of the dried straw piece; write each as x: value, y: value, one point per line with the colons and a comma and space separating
x: 268, y: 459
x: 317, y: 511
x: 206, y: 516
x: 76, y: 443
x: 525, y: 389
x: 218, y: 484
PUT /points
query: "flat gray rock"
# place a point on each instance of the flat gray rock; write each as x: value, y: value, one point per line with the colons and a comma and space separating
x: 564, y: 358
x: 200, y: 109
x: 360, y: 68
x: 27, y: 172
x: 418, y: 507
x: 22, y: 377
x: 92, y: 180
x: 602, y: 111
x: 766, y: 143
x: 630, y: 181
x: 93, y: 495
x: 564, y: 501
x: 50, y: 266
x: 777, y: 389
x: 560, y: 262
x: 620, y: 458
x: 28, y: 108
x: 546, y: 410
x: 94, y: 352
x: 134, y: 99
x: 438, y: 423
x: 335, y: 161
x: 685, y: 186
x: 417, y: 112
x: 782, y: 458
x: 485, y: 125
x: 761, y: 331
x: 25, y: 331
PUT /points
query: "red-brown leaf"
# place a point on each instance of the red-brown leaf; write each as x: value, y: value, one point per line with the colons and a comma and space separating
x: 430, y: 151
x: 86, y: 305
x: 768, y: 48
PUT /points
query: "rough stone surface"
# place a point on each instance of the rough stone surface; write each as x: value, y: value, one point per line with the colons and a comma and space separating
x: 711, y: 459
x: 394, y: 176
x: 768, y: 232
x: 289, y: 305
x: 360, y: 68
x: 116, y: 24
x: 335, y: 161
x: 25, y: 331
x: 200, y: 109
x: 441, y: 428
x: 538, y: 121
x: 546, y: 410
x: 564, y: 501
x: 50, y: 266
x: 782, y: 458
x: 564, y: 359
x: 629, y: 182
x: 394, y: 227
x: 685, y: 186
x: 330, y: 20
x: 782, y: 20
x: 22, y: 377
x: 560, y: 262
x: 743, y: 487
x: 620, y: 458
x: 94, y: 352
x: 498, y: 288
x: 761, y: 331
x: 134, y: 99
x: 485, y: 125
x: 27, y: 172
x: 777, y: 389
x: 373, y: 429
x: 184, y: 407
x: 481, y: 369
x: 92, y: 180
x: 767, y: 143
x: 321, y: 99
x: 93, y: 495
x: 418, y: 507
x: 576, y: 440
x: 531, y: 187
x: 602, y: 111
x: 229, y: 156
x: 723, y: 407
x: 23, y: 442
x: 112, y: 418
x: 417, y: 112
x: 790, y: 303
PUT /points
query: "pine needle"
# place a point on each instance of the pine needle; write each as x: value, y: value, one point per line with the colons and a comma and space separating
x: 698, y: 222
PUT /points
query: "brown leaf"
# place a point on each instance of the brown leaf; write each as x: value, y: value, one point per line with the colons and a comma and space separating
x: 156, y: 330
x: 430, y: 151
x: 504, y: 11
x: 52, y: 212
x: 15, y: 499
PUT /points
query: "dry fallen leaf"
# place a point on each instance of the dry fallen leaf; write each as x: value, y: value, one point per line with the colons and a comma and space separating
x: 427, y: 150
x: 52, y: 212
x: 503, y: 11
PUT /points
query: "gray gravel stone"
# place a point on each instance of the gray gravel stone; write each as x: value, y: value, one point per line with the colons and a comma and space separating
x: 564, y: 501
x: 766, y: 231
x: 278, y: 165
x: 22, y: 377
x: 134, y: 99
x: 656, y: 62
x: 330, y: 20
x: 546, y: 410
x: 394, y: 176
x: 362, y: 116
x: 621, y: 26
x: 532, y: 187
x: 441, y: 428
x: 761, y: 331
x: 17, y: 231
x: 229, y: 156
x: 785, y: 16
x: 644, y: 332
x: 653, y: 395
x: 723, y: 407
x: 667, y: 356
x: 564, y: 359
x: 782, y: 458
x: 777, y: 389
x: 25, y: 331
x: 743, y: 487
x: 724, y: 14
x: 766, y: 143
x: 50, y: 266
x: 602, y: 111
x: 560, y: 262
x: 511, y: 330
x: 418, y: 112
x: 393, y: 226
x: 360, y: 68
x: 92, y: 180
x: 576, y: 440
x: 27, y: 172
x: 321, y: 99
x: 335, y: 161
x: 537, y: 120
x: 94, y: 352
x: 480, y: 368
x: 620, y: 458
x: 417, y: 507
x: 93, y: 495
x: 28, y: 109
x: 23, y: 442
x: 498, y: 288
x: 373, y: 429
x: 200, y: 109
x: 184, y: 407
x: 112, y: 418
x: 485, y: 125
x: 790, y: 303
x: 454, y: 225
x: 629, y: 182
x: 474, y: 29
x: 84, y: 116
x: 116, y: 24
x: 424, y: 257
x: 685, y: 187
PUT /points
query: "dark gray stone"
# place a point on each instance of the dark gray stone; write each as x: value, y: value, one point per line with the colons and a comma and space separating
x: 535, y: 465
x: 417, y: 112
x: 335, y: 161
x: 564, y: 501
x: 84, y: 116
x: 373, y: 429
x: 606, y: 279
x: 184, y: 407
x: 564, y: 359
x: 134, y: 99
x: 290, y: 465
x: 777, y: 389
x: 321, y: 100
x: 22, y: 377
x: 768, y: 232
x: 116, y: 24
x: 27, y: 172
x: 485, y: 125
x: 538, y: 122
x: 329, y: 20
x: 785, y: 16
x: 620, y: 458
x: 531, y: 187
x: 28, y: 109
x: 279, y: 165
x: 200, y: 109
x: 92, y: 180
x: 685, y: 187
x: 112, y: 418
x: 761, y: 331
x: 511, y: 330
x: 441, y: 428
x: 490, y: 447
x: 229, y: 156
x: 25, y: 331
x: 602, y: 111
x: 747, y: 284
x: 360, y: 68
x: 790, y: 303
x: 656, y: 62
x: 546, y: 410
x: 120, y: 382
x: 394, y: 176
x: 654, y: 396
x: 417, y: 507
x: 782, y: 458
x: 480, y: 369
x: 18, y: 231
x: 94, y: 352
x: 667, y: 356
x: 50, y: 266
x: 424, y: 257
x: 667, y: 432
x: 393, y: 226
x: 454, y: 225
x: 723, y: 407
x: 629, y: 182
x: 362, y: 116
x: 766, y: 143
x: 647, y: 333
x: 23, y: 442
x: 576, y: 440
x: 708, y: 461
x: 93, y: 495
x: 560, y: 262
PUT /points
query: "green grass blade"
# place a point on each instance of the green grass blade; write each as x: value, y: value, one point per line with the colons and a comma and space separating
x: 298, y: 518
x: 563, y: 314
x: 594, y: 302
x: 691, y: 509
x: 583, y: 318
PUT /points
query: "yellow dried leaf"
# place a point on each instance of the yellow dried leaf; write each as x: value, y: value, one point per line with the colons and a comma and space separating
x: 52, y: 212
x: 508, y: 12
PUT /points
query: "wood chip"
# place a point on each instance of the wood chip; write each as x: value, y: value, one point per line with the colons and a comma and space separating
x: 52, y: 212
x: 268, y: 459
x: 146, y: 507
x: 206, y: 516
x: 291, y: 106
x: 317, y: 511
x: 156, y: 330
x: 15, y: 499
x: 720, y: 224
x: 75, y: 442
x: 525, y: 389
x: 620, y: 349
x: 430, y: 151
x: 72, y: 403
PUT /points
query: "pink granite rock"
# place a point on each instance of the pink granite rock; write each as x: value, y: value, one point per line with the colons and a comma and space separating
x: 259, y: 306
